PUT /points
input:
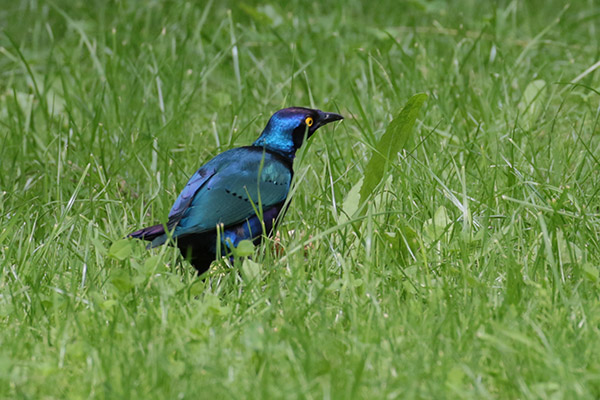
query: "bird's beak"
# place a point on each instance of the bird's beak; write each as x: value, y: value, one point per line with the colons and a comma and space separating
x: 329, y: 117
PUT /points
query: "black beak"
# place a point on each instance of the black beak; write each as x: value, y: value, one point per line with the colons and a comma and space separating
x: 326, y: 118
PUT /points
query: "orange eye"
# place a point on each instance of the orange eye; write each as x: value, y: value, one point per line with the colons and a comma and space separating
x: 308, y: 121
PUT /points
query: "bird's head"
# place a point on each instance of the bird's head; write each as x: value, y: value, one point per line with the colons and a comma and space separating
x: 288, y: 127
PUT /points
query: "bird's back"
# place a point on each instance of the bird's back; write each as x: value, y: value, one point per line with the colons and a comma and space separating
x: 229, y: 189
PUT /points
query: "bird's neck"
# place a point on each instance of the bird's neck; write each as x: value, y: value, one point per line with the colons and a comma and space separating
x: 276, y: 142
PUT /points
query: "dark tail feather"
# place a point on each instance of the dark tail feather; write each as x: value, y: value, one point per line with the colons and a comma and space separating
x: 150, y: 233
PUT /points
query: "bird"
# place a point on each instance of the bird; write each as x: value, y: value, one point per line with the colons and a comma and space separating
x: 239, y: 192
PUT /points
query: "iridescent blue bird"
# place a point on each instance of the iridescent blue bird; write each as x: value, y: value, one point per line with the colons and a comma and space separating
x: 236, y: 188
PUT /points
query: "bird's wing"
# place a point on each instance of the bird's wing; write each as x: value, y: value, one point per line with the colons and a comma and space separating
x: 186, y: 196
x: 242, y: 179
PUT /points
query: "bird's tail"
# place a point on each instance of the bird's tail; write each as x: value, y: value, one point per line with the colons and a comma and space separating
x: 150, y: 233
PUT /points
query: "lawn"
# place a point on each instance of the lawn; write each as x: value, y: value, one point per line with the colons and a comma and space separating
x: 472, y: 270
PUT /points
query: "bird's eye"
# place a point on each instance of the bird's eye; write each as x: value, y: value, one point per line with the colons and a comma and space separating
x: 308, y: 121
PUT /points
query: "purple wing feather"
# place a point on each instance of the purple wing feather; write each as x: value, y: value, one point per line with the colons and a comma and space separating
x: 148, y: 233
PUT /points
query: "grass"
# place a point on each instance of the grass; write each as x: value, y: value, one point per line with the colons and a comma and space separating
x: 474, y: 273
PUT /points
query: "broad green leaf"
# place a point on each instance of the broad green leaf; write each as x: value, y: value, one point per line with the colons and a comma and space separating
x: 568, y: 252
x: 352, y: 201
x: 244, y: 248
x: 393, y: 140
x: 122, y: 281
x: 531, y: 104
x: 408, y: 240
x: 591, y: 272
x: 121, y: 249
x: 250, y: 270
x: 455, y: 378
x: 99, y: 246
x: 151, y: 265
x: 108, y: 304
x: 197, y: 287
x: 434, y: 228
x: 213, y: 305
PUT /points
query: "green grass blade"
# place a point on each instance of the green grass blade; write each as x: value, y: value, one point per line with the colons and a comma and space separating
x: 395, y: 138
